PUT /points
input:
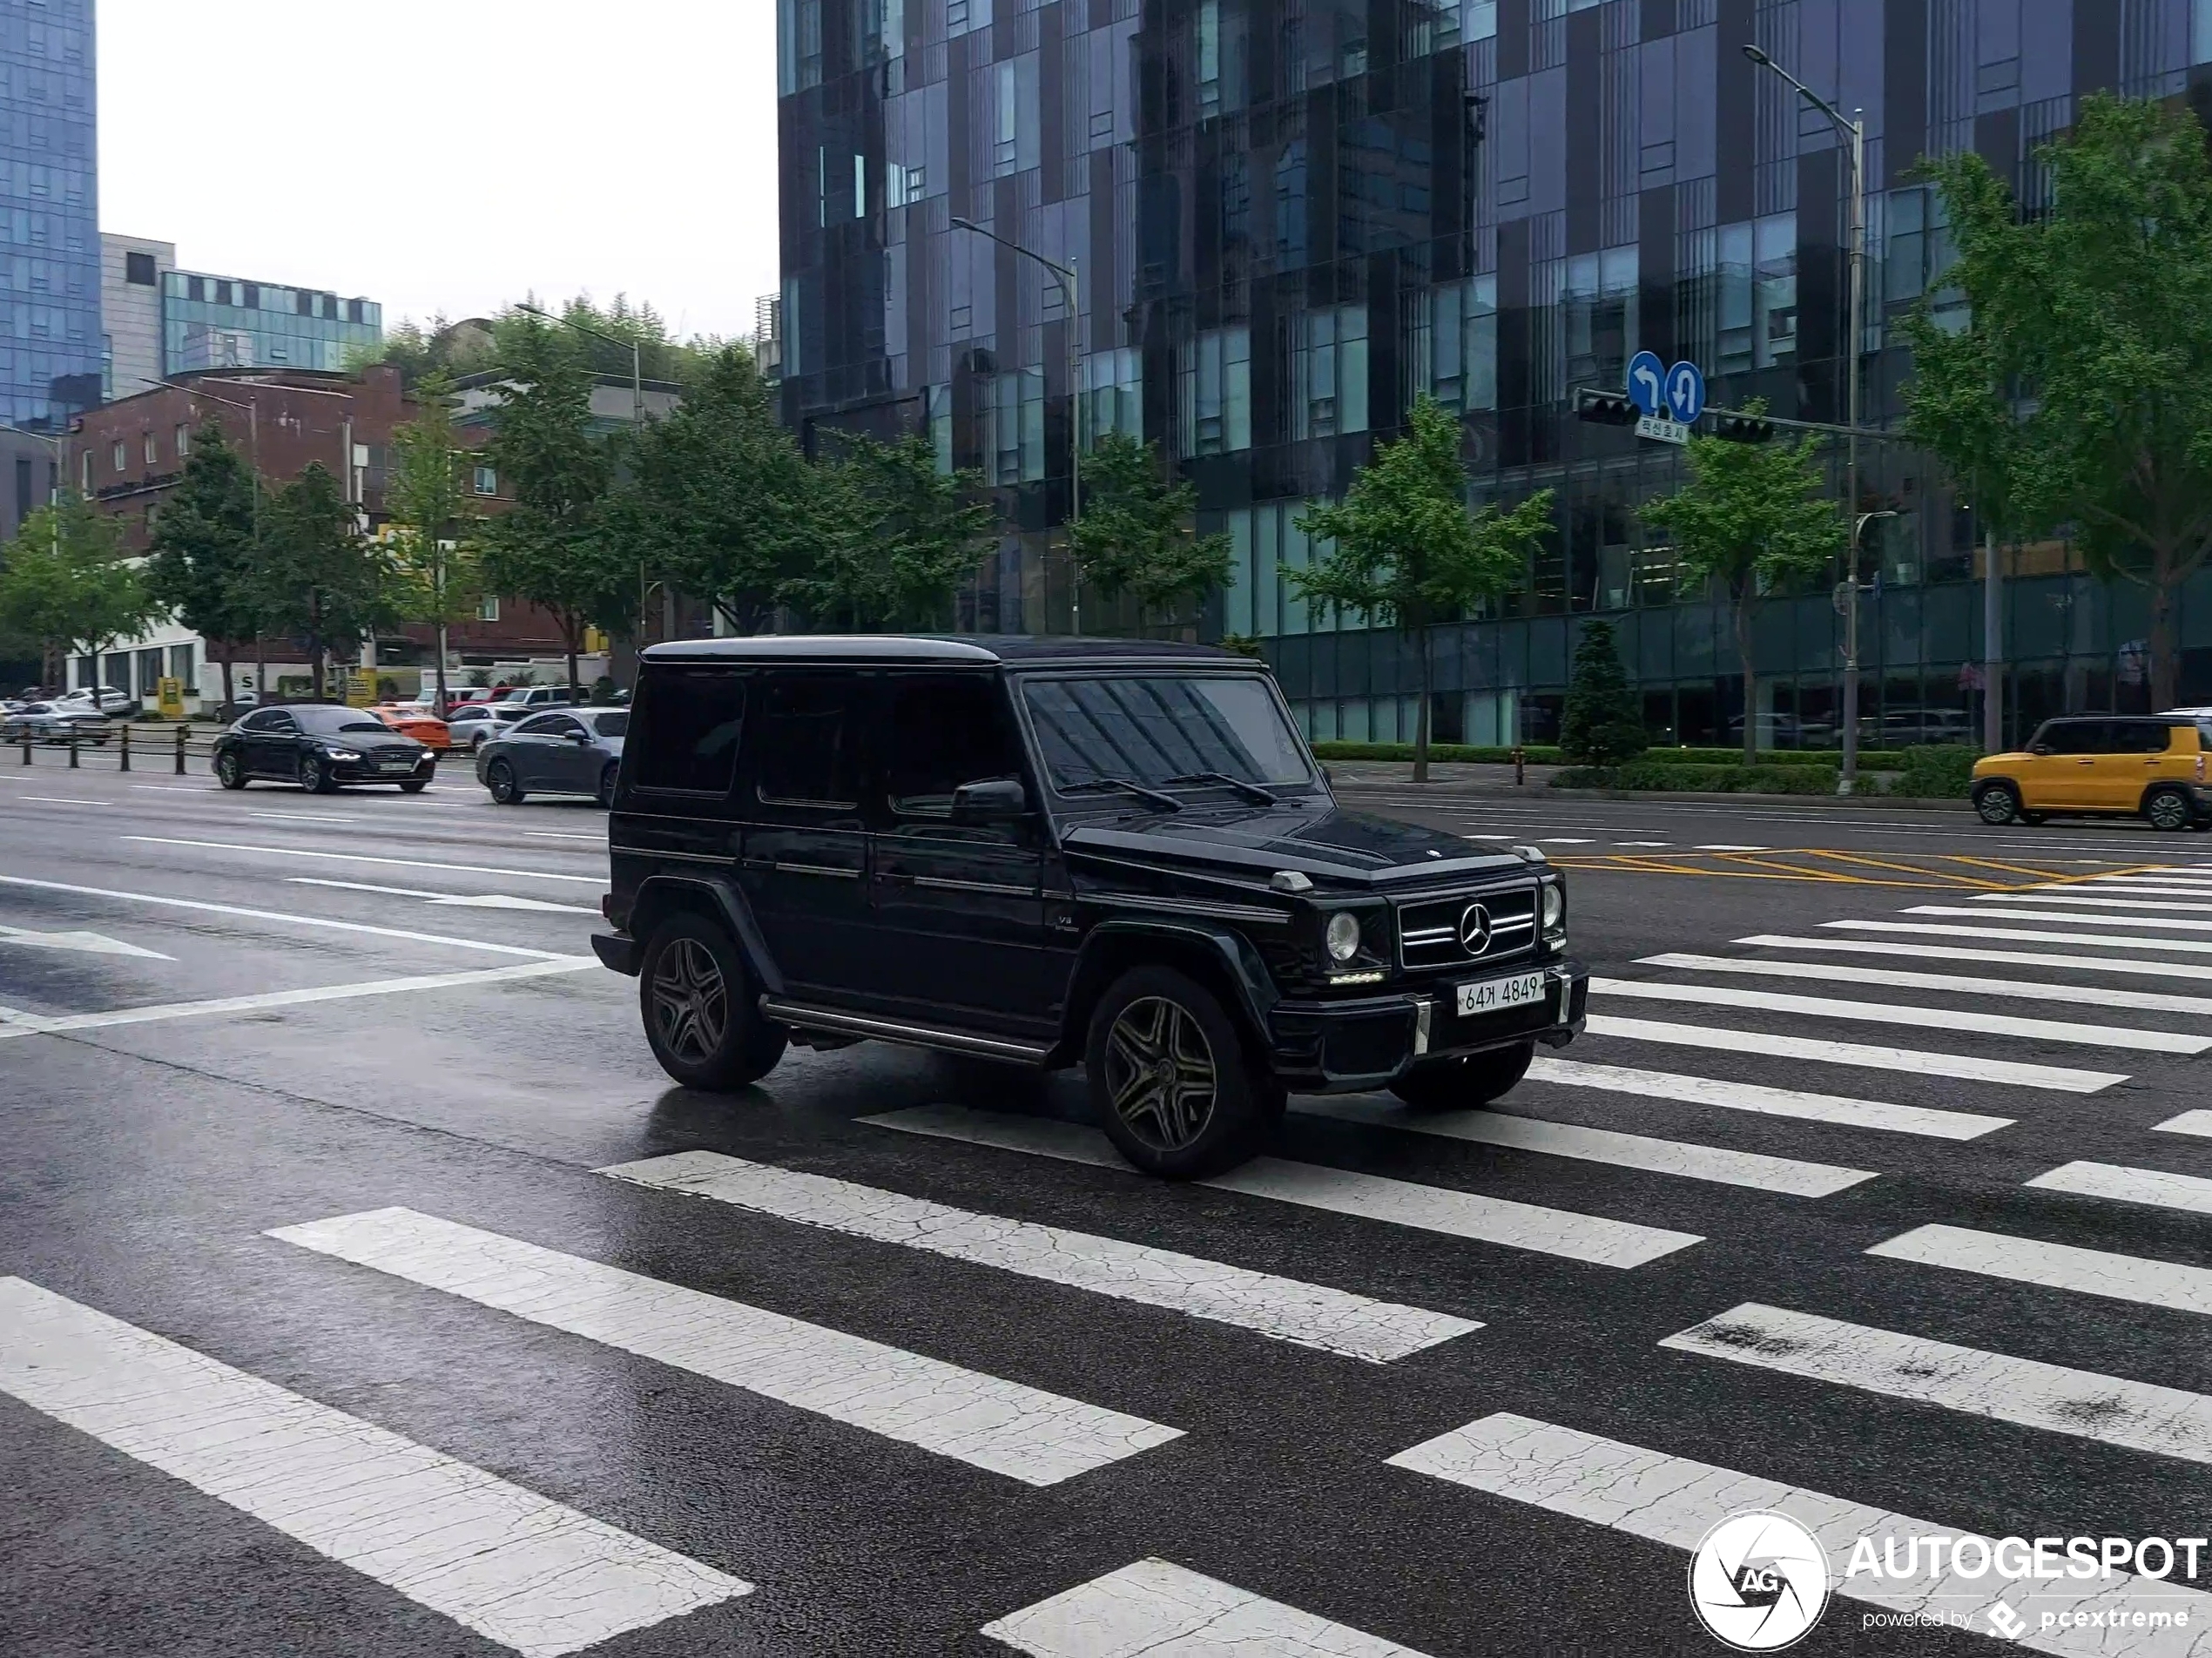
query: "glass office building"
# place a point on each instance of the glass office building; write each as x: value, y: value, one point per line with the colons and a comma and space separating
x: 1289, y: 217
x: 222, y: 322
x: 50, y: 242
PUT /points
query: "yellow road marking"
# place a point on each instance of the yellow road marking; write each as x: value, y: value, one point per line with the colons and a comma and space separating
x: 1885, y: 862
x: 1934, y: 877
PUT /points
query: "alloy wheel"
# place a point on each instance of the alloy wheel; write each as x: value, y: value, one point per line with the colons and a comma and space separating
x: 2168, y: 812
x: 1996, y: 805
x: 690, y: 1001
x: 1160, y: 1073
x: 310, y: 773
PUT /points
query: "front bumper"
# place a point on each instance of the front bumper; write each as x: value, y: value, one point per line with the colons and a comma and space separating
x: 1344, y: 1046
x: 367, y: 771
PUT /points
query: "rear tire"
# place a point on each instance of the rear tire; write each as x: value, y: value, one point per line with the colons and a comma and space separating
x: 499, y: 778
x: 230, y: 771
x: 2169, y: 809
x: 1998, y: 804
x: 701, y: 1009
x: 415, y: 786
x: 1465, y: 1081
x: 1170, y: 1079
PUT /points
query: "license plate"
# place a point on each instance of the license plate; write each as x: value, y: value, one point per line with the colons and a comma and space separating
x: 1493, y: 993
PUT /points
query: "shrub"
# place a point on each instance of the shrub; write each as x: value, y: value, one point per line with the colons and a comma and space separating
x: 1935, y: 772
x: 1602, y: 725
x: 1644, y: 776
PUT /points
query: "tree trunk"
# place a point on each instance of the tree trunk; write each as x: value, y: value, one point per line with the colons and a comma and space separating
x: 571, y: 636
x: 441, y: 666
x: 2164, y: 669
x: 223, y: 661
x: 1420, y: 725
x: 1750, y: 680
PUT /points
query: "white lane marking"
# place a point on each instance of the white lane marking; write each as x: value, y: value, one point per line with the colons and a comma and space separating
x: 1656, y: 846
x: 1963, y: 1066
x: 1722, y: 845
x: 1948, y: 984
x: 2028, y: 935
x: 316, y: 817
x: 1004, y: 1427
x: 1396, y: 1202
x: 60, y: 800
x: 2180, y: 924
x: 357, y: 886
x: 2135, y: 1416
x: 2054, y: 1266
x: 1286, y: 1308
x: 1152, y: 1609
x: 2077, y: 898
x: 173, y: 788
x: 1690, y: 1161
x: 236, y: 913
x: 1486, y: 837
x: 88, y: 943
x: 1885, y: 1013
x: 2195, y: 1123
x: 363, y: 857
x: 518, y: 1568
x: 557, y: 834
x: 2156, y: 1187
x: 1953, y: 953
x: 1675, y: 1501
x: 15, y: 1023
x: 451, y: 900
x: 1556, y: 840
x: 1766, y: 1101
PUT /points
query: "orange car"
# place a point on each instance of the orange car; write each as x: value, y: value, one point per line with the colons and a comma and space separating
x: 426, y: 729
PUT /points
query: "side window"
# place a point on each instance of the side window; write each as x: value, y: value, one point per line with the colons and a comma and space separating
x: 807, y: 740
x: 561, y: 725
x: 687, y: 726
x: 264, y: 721
x: 2075, y: 736
x: 280, y: 721
x: 543, y: 725
x: 945, y: 732
x: 2141, y: 737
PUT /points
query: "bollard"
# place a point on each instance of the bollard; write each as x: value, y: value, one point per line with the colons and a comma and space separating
x: 1519, y: 764
x: 26, y: 748
x: 125, y: 762
x: 72, y: 750
x: 183, y: 732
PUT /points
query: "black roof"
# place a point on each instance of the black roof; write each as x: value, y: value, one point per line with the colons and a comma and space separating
x: 977, y: 649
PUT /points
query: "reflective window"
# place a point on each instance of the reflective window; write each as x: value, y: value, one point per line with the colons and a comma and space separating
x: 1162, y: 729
x: 944, y: 733
x: 807, y: 740
x: 1214, y: 391
x: 1329, y: 372
x: 687, y: 737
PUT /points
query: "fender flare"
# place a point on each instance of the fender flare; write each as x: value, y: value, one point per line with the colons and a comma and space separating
x: 1252, y: 987
x: 721, y: 896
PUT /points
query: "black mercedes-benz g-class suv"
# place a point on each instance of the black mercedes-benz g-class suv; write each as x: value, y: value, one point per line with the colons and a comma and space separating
x: 1057, y: 851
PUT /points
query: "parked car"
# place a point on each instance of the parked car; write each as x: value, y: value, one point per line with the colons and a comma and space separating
x: 2116, y: 765
x: 413, y: 720
x: 117, y: 704
x: 1104, y: 852
x: 477, y: 724
x: 54, y: 722
x: 542, y: 696
x: 321, y: 746
x: 562, y: 751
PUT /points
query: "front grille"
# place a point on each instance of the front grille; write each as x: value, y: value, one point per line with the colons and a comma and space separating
x: 1430, y: 930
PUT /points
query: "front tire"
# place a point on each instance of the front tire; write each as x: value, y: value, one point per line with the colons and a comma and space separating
x: 1170, y: 1080
x: 499, y: 778
x: 230, y: 771
x: 701, y: 1009
x: 314, y: 776
x: 607, y: 776
x: 2170, y: 810
x: 415, y: 786
x: 1998, y: 804
x: 1465, y: 1081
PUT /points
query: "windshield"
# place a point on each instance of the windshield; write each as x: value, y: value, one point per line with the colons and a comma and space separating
x: 328, y: 721
x: 1156, y: 728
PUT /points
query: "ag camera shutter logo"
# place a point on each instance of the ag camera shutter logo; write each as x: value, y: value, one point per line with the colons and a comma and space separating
x: 1759, y: 1581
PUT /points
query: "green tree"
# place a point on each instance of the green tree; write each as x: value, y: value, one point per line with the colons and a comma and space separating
x: 1601, y: 724
x: 1136, y: 534
x: 719, y: 500
x: 2095, y: 313
x: 661, y: 355
x: 204, y: 561
x: 556, y: 548
x: 904, y: 536
x: 1408, y: 553
x: 433, y: 519
x: 324, y: 582
x: 1749, y: 516
x: 65, y: 587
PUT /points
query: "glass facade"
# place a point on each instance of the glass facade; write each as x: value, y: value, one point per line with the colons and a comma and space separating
x: 1291, y: 217
x: 50, y: 242
x: 221, y: 322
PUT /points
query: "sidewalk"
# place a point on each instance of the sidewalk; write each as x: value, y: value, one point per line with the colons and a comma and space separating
x: 1460, y: 781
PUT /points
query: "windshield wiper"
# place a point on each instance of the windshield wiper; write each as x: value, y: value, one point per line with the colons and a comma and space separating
x: 1250, y: 790
x: 1150, y: 797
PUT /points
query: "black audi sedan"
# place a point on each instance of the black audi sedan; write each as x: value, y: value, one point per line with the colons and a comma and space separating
x: 321, y: 746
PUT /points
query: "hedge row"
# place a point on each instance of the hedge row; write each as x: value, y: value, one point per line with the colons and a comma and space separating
x: 1548, y: 754
x: 1643, y: 776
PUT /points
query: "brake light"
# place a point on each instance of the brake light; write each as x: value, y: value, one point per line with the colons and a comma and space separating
x: 2199, y: 766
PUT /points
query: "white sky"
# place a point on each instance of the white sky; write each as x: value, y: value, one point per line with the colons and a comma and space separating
x: 452, y: 155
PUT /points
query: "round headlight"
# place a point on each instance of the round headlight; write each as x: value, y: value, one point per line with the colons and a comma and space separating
x: 1343, y: 936
x: 1554, y: 906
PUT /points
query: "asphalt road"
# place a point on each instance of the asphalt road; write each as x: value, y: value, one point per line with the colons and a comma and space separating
x: 324, y: 1331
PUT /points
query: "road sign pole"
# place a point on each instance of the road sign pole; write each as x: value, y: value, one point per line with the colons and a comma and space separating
x: 1854, y: 344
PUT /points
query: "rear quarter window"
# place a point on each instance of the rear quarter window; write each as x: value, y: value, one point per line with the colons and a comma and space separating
x: 683, y: 731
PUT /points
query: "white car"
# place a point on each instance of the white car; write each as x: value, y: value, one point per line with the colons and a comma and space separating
x: 107, y: 699
x: 473, y: 725
x: 54, y: 722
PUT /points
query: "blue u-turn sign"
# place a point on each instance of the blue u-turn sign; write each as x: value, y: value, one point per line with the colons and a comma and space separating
x: 1685, y: 391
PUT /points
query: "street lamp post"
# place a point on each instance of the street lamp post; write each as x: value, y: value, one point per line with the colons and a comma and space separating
x: 1855, y: 130
x: 1071, y: 288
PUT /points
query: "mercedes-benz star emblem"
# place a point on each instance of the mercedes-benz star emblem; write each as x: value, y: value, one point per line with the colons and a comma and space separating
x: 1475, y: 929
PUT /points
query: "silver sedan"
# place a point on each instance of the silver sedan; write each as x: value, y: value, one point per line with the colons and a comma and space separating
x: 559, y: 751
x: 54, y: 722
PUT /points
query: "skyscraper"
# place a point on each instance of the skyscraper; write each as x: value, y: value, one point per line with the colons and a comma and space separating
x: 50, y: 242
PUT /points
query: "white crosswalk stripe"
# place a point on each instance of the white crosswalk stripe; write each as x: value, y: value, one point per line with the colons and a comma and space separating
x: 1953, y: 984
x: 1153, y: 1609
x: 1995, y: 958
x: 2195, y: 1123
x: 2178, y: 923
x: 2112, y: 1410
x: 1717, y: 1163
x: 2075, y: 898
x: 1883, y: 1012
x: 2157, y: 1187
x: 2116, y: 892
x: 1765, y: 1102
x: 1309, y: 1314
x: 1589, y: 1238
x: 2054, y: 1266
x: 1024, y: 1433
x: 1675, y: 1501
x: 518, y: 1568
x: 2064, y: 1079
x: 2026, y: 935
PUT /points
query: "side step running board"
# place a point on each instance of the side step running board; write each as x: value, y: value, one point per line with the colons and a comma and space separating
x: 891, y: 1030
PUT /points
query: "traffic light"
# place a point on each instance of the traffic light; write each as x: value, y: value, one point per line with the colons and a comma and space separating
x: 1740, y: 428
x: 1605, y: 408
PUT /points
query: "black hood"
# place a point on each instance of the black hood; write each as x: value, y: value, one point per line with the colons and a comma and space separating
x: 1333, y: 848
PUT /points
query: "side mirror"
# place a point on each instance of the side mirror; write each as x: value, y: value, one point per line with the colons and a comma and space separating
x: 578, y: 736
x: 2040, y: 748
x: 996, y: 800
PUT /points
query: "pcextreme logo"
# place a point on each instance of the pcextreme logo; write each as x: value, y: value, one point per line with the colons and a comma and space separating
x: 1759, y: 1581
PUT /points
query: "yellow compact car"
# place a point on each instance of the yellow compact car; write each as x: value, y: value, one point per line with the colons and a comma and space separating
x: 2109, y: 765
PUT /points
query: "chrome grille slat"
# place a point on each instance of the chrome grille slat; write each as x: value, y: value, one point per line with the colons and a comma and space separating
x: 1428, y: 926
